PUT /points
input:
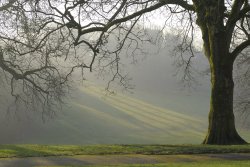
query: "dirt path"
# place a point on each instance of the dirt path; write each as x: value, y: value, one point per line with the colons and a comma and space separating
x: 114, y: 159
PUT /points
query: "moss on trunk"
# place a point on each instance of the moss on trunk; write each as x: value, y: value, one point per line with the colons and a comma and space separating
x: 221, y: 128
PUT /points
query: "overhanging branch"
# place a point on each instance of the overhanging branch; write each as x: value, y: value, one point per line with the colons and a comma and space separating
x: 240, y: 48
x: 181, y: 3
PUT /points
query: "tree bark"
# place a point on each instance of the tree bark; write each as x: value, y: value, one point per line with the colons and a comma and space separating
x: 210, y: 19
x: 221, y: 129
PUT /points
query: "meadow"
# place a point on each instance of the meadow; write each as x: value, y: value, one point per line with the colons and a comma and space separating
x: 125, y: 155
x: 7, y: 151
x: 201, y: 164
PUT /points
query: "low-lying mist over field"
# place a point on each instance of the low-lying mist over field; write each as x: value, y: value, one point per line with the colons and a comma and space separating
x: 92, y: 117
x: 160, y: 109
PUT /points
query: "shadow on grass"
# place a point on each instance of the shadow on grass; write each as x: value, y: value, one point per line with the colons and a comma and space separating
x: 21, y: 151
x: 43, y: 161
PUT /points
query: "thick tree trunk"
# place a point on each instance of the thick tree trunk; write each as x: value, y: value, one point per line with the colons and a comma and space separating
x: 221, y: 128
x: 217, y: 39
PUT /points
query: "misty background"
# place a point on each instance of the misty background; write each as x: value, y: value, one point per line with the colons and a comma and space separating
x: 160, y: 109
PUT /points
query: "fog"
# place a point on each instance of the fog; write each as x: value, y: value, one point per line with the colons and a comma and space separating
x: 160, y: 109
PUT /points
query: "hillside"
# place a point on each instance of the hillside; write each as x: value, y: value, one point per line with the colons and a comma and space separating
x: 93, y: 118
x: 159, y: 111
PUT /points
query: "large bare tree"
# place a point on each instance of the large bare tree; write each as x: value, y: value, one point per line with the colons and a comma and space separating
x: 40, y: 40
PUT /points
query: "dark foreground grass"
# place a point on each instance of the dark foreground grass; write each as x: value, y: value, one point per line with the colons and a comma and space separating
x: 181, y: 164
x: 60, y: 150
x: 196, y: 164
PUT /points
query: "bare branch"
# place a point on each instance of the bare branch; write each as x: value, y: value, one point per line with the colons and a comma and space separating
x: 240, y: 48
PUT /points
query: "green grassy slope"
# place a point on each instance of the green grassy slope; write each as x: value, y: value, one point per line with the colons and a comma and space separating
x: 69, y: 150
x: 93, y: 118
x: 222, y: 163
x: 148, y: 122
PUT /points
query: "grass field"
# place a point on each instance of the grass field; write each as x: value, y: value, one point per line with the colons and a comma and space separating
x: 199, y: 164
x: 129, y: 155
x: 94, y: 118
x: 91, y: 117
x: 53, y: 150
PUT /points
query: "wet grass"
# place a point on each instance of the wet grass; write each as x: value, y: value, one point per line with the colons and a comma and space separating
x: 221, y: 163
x: 60, y: 150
